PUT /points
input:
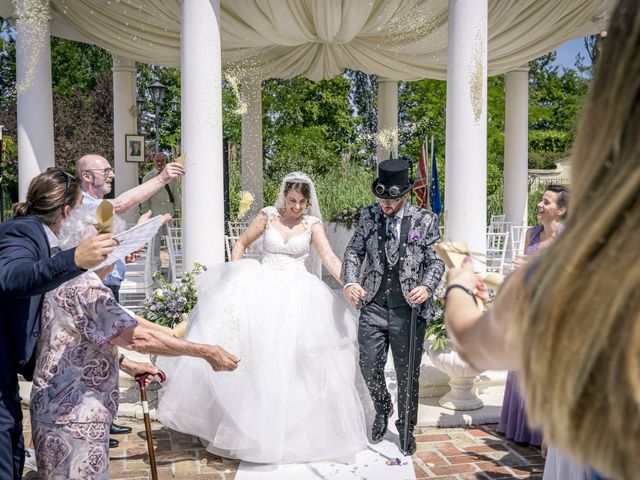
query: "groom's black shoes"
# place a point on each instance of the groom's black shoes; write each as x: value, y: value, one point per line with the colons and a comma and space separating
x: 119, y: 429
x: 410, y: 448
x: 379, y: 427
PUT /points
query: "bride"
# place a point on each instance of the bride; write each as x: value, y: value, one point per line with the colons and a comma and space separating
x: 293, y: 396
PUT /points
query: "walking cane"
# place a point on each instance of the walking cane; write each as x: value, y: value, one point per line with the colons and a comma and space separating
x: 147, y: 420
x: 412, y: 354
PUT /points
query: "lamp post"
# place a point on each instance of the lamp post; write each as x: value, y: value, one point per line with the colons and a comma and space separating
x: 157, y: 94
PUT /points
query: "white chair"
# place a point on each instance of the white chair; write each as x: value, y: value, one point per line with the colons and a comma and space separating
x: 254, y: 250
x: 500, y: 227
x: 174, y: 244
x: 517, y: 235
x: 497, y: 218
x: 496, y: 251
x: 236, y: 229
x: 138, y: 280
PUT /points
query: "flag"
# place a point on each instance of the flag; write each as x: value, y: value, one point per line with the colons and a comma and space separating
x: 434, y: 189
x: 420, y: 187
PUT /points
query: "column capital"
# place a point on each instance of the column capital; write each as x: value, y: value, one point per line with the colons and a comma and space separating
x: 122, y: 64
x: 522, y: 68
x: 386, y: 80
x: 32, y: 11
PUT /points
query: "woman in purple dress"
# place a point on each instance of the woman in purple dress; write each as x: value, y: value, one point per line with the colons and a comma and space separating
x: 552, y: 209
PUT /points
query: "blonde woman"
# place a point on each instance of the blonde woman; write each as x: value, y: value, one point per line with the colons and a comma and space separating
x: 571, y: 316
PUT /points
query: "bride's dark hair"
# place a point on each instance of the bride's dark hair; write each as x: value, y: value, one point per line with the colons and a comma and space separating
x: 301, y: 187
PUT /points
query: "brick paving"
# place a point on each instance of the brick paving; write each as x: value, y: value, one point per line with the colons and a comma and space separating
x: 474, y: 453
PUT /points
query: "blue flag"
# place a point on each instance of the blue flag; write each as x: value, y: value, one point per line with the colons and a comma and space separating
x: 434, y: 188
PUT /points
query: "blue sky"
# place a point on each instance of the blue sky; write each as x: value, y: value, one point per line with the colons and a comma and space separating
x: 568, y: 51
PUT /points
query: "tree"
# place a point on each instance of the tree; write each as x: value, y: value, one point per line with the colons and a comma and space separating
x: 363, y: 97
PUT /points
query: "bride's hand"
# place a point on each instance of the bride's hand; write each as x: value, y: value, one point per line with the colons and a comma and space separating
x: 354, y: 293
x: 220, y: 359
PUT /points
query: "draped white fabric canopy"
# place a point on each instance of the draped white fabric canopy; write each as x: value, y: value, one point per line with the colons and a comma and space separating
x: 397, y: 39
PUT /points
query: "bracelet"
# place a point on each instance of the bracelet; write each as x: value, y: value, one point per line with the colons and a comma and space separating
x: 121, y: 359
x: 463, y: 288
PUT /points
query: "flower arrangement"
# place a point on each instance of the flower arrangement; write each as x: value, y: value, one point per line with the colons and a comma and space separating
x: 436, y: 328
x: 171, y: 301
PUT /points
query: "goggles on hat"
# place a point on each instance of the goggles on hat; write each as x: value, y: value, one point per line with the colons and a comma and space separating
x: 393, y: 190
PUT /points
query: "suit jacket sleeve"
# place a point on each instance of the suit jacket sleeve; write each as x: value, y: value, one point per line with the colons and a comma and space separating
x: 355, y: 252
x: 434, y: 266
x: 22, y: 274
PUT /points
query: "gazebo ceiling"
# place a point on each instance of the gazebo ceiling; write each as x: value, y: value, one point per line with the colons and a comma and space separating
x: 398, y: 39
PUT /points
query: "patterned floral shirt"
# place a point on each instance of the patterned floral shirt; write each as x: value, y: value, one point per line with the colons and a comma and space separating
x: 76, y: 377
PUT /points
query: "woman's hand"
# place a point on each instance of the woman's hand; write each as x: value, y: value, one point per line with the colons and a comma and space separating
x: 521, y: 260
x: 219, y: 359
x: 354, y: 293
x: 133, y: 368
x: 466, y: 277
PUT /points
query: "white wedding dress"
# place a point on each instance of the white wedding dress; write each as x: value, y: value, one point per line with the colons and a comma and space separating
x: 293, y: 397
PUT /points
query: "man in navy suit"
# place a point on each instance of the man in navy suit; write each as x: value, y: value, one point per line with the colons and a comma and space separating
x: 27, y: 271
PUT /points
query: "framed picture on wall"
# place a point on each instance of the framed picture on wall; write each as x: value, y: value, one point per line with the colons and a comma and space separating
x: 134, y: 145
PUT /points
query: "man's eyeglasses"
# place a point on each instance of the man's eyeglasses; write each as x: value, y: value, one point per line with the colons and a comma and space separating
x: 103, y: 171
x: 70, y: 178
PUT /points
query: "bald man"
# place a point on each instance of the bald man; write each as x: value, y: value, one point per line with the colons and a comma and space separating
x: 96, y: 175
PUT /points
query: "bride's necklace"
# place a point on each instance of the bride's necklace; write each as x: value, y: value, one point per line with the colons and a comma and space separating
x: 290, y: 224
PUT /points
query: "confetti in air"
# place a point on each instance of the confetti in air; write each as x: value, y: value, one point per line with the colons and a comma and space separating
x: 233, y: 82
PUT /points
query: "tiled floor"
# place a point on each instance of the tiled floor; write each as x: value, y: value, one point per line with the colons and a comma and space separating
x: 444, y: 453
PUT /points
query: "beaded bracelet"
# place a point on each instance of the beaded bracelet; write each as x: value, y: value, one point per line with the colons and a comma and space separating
x: 461, y: 287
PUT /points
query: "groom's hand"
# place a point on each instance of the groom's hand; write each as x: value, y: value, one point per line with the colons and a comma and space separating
x: 354, y: 293
x: 221, y: 360
x: 418, y: 295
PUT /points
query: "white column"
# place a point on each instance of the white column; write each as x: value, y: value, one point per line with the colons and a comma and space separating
x: 33, y: 87
x: 252, y: 172
x: 516, y: 145
x: 387, y: 119
x: 465, y: 200
x: 202, y: 200
x: 124, y: 122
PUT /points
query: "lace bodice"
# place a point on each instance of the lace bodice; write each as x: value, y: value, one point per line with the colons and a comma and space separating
x: 290, y: 254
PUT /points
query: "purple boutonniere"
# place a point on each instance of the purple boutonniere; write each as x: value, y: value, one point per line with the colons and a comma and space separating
x: 414, y: 236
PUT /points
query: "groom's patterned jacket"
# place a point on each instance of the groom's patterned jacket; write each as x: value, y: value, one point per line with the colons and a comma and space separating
x: 419, y: 264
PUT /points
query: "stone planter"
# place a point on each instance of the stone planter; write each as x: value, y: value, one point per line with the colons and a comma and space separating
x: 462, y: 395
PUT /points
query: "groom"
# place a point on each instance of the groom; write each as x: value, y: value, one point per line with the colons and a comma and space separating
x: 402, y: 270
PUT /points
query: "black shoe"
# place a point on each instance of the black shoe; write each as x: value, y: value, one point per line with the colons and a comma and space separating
x: 119, y: 429
x: 113, y: 443
x: 379, y: 427
x: 410, y: 448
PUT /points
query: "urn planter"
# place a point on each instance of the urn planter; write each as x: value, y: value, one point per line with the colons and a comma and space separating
x: 462, y: 395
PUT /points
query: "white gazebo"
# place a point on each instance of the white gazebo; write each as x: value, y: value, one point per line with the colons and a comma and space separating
x: 462, y: 41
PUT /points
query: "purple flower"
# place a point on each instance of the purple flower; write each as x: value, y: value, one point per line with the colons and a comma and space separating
x: 414, y: 236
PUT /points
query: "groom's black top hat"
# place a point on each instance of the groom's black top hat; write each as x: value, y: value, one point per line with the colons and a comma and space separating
x: 393, y: 179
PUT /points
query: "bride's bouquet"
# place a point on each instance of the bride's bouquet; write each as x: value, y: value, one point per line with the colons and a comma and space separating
x: 170, y: 303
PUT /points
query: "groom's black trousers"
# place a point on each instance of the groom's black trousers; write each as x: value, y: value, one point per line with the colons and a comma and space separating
x: 381, y: 327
